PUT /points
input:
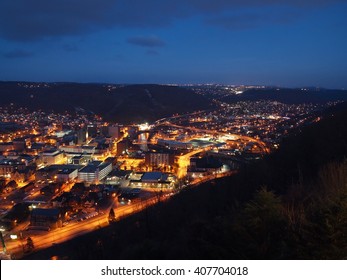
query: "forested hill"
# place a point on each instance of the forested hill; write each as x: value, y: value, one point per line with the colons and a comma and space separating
x: 124, y: 104
x: 290, y: 95
x: 291, y: 205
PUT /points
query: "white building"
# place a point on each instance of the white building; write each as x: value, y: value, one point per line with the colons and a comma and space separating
x: 94, y: 172
x: 52, y: 157
x: 67, y: 174
x: 113, y: 131
x: 77, y: 149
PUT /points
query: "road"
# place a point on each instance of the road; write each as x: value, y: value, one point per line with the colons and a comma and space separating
x: 261, y: 144
x: 184, y: 161
x: 43, y: 239
x: 211, y: 177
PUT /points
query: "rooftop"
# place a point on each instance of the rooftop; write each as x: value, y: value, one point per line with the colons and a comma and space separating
x: 50, y: 212
x: 67, y: 171
x: 89, y: 169
x: 154, y: 176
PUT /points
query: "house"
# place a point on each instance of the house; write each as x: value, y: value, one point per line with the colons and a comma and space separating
x: 45, y: 218
x: 52, y: 156
x: 91, y: 199
x: 79, y: 189
x: 24, y: 175
x: 46, y: 173
x: 9, y: 166
x: 10, y: 186
x: 152, y: 180
x: 200, y: 167
x: 51, y: 189
x: 116, y: 176
x: 75, y: 202
x: 61, y: 200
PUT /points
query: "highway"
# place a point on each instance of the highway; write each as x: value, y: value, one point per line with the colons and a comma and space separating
x: 184, y: 161
x: 211, y: 177
x: 44, y: 239
x: 261, y: 144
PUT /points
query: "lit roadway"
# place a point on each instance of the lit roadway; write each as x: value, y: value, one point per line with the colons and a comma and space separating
x: 261, y: 144
x: 164, y: 120
x: 184, y: 161
x: 210, y: 177
x: 43, y: 239
x: 73, y: 229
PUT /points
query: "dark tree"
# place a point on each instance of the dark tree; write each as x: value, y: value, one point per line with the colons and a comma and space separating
x: 111, y: 216
x: 29, y: 245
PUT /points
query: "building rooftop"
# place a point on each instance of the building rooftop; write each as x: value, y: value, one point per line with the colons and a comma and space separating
x: 49, y: 212
x: 119, y: 173
x: 89, y: 169
x: 51, y: 152
x: 154, y: 176
x: 60, y: 167
x: 77, y: 157
x: 67, y: 171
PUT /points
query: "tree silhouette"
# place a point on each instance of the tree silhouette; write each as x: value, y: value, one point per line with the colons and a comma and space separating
x: 111, y: 216
x: 264, y: 224
x: 29, y: 245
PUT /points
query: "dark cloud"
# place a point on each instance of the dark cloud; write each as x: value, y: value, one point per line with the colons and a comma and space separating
x: 17, y: 54
x: 149, y: 41
x: 23, y: 20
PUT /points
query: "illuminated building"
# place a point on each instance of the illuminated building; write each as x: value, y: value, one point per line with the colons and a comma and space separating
x: 51, y: 172
x: 158, y: 159
x: 51, y: 189
x: 200, y: 167
x: 45, y: 218
x: 10, y: 166
x: 67, y: 174
x: 113, y: 131
x: 116, y: 176
x: 122, y: 147
x: 78, y: 149
x: 7, y: 146
x: 81, y: 136
x: 51, y: 157
x: 152, y: 180
x: 79, y: 160
x: 19, y: 144
x: 172, y: 144
x: 92, y: 130
x: 94, y: 171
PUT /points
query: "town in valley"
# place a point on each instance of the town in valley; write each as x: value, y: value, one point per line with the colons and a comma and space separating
x: 67, y: 174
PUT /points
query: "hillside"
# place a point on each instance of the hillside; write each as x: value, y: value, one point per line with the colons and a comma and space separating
x: 292, y: 205
x: 124, y: 104
x: 289, y: 95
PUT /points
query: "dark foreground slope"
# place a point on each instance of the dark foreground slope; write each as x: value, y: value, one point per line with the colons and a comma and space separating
x: 292, y: 205
x: 124, y: 104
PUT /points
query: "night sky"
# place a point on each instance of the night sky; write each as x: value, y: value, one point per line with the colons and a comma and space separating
x: 272, y: 42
